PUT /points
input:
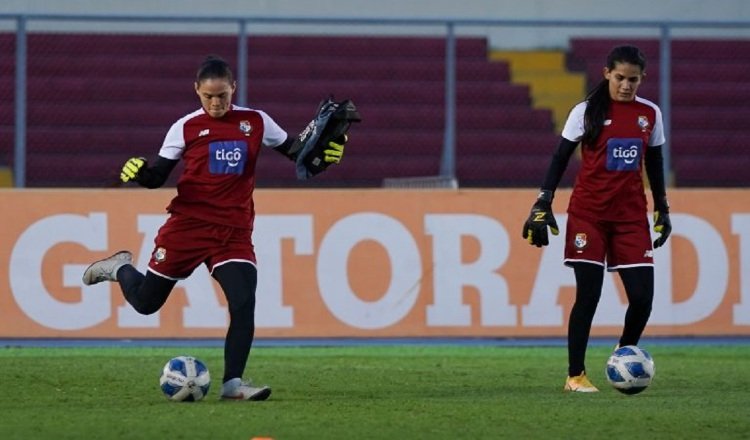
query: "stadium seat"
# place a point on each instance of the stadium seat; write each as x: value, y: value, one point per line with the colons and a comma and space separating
x: 127, y: 102
x: 99, y: 99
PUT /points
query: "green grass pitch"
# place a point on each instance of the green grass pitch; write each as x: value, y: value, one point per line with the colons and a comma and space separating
x: 375, y: 392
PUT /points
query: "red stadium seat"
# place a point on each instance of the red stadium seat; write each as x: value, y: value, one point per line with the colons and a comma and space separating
x: 98, y: 99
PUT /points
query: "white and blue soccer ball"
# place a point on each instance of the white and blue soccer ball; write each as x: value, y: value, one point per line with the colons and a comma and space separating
x: 185, y: 379
x: 630, y: 369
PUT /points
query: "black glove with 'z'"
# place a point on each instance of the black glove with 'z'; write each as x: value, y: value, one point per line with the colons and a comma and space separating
x: 535, y: 227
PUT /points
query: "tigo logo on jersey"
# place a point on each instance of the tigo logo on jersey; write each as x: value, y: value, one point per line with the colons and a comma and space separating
x: 227, y: 157
x: 624, y: 154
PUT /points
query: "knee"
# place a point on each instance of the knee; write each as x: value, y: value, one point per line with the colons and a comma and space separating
x: 146, y: 308
x: 642, y: 299
x: 242, y: 317
x: 589, y: 302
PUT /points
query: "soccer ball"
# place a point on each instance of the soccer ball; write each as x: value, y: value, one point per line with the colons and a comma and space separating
x: 630, y: 369
x: 185, y: 379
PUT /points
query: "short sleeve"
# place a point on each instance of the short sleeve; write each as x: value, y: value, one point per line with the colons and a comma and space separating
x: 174, y: 142
x: 573, y: 129
x: 657, y: 135
x: 273, y: 134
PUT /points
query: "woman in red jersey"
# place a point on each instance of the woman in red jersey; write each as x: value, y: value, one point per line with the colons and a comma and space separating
x: 211, y: 218
x: 607, y: 223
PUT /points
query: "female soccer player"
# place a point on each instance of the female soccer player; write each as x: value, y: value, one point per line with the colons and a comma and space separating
x: 607, y: 215
x: 211, y: 217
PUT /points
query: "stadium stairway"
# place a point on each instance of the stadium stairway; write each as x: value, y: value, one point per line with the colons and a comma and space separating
x: 710, y: 103
x: 6, y: 177
x: 94, y: 100
x: 552, y: 85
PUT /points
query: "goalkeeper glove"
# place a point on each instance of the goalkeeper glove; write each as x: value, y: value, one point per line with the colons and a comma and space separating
x: 663, y: 226
x: 535, y: 228
x: 131, y: 169
x: 335, y: 150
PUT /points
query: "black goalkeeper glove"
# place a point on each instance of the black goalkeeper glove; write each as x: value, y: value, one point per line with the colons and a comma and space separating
x: 662, y: 225
x: 131, y: 169
x: 535, y: 228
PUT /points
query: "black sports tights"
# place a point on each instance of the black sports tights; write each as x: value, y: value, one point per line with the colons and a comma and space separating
x: 148, y: 293
x: 639, y: 288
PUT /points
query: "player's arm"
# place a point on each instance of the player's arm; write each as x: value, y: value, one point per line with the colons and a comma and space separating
x: 541, y: 216
x: 654, y: 161
x: 290, y: 147
x: 558, y: 164
x: 137, y: 169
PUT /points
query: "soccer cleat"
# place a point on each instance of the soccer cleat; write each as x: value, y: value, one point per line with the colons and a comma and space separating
x: 106, y: 269
x: 579, y: 384
x: 236, y: 389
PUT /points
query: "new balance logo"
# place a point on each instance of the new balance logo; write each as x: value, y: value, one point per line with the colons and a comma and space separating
x: 203, y: 132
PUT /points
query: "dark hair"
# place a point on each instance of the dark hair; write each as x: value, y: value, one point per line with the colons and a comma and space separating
x: 598, y: 98
x: 214, y: 67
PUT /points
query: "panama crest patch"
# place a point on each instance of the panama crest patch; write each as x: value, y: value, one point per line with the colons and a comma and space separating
x: 160, y: 255
x: 245, y: 127
x: 643, y: 122
x: 580, y: 240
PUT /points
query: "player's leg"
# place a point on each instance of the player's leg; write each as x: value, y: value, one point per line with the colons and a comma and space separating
x: 639, y: 288
x: 631, y: 254
x: 589, y: 280
x: 585, y: 249
x: 146, y: 293
x: 238, y: 280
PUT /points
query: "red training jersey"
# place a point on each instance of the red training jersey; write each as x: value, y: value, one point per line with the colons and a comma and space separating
x: 219, y: 157
x: 609, y: 185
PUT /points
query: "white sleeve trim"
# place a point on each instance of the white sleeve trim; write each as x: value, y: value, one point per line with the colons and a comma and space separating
x: 657, y: 134
x: 573, y: 129
x: 273, y: 134
x: 174, y: 142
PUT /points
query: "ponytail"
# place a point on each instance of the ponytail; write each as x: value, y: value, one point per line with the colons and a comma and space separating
x: 597, y: 104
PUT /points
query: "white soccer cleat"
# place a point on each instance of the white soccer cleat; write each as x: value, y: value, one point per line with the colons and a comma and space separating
x: 106, y: 269
x: 236, y: 389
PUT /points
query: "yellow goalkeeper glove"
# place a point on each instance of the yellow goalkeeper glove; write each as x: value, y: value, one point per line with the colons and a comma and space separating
x: 335, y: 150
x: 131, y: 169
